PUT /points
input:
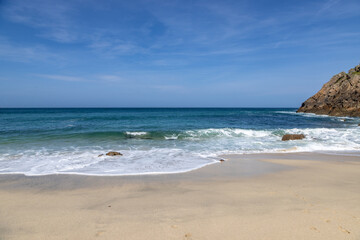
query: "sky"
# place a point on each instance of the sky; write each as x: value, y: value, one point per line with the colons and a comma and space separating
x: 144, y: 53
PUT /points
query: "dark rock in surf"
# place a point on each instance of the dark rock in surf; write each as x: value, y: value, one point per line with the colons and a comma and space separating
x: 113, y: 154
x: 288, y: 137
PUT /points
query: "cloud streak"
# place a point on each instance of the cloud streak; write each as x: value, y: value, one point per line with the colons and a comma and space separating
x: 62, y: 78
x: 91, y: 78
x: 26, y: 54
x: 52, y: 17
x: 206, y: 28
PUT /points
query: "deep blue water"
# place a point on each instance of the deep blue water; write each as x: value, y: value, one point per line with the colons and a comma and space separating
x: 157, y: 140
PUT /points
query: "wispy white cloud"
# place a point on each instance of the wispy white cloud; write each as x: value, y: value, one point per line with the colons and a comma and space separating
x: 327, y: 5
x: 91, y: 78
x: 61, y: 78
x: 20, y: 53
x: 50, y: 16
x: 110, y: 78
x: 57, y: 22
x: 176, y: 88
x: 113, y: 48
x: 207, y: 28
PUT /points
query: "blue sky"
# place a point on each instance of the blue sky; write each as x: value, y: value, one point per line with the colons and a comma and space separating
x: 243, y: 53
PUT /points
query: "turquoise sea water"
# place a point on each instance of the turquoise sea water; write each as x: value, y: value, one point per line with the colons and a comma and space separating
x: 157, y: 140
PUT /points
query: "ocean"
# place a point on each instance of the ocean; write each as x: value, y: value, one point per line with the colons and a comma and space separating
x: 158, y: 140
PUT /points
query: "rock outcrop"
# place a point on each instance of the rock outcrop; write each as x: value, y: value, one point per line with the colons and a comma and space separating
x: 338, y: 97
x: 288, y: 137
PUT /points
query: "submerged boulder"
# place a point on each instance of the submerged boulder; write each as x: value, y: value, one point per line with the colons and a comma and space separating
x: 288, y: 137
x: 113, y: 154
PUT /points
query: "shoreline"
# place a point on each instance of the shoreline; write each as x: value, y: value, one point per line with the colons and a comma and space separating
x: 259, y: 196
x: 247, y: 167
x: 225, y: 157
x: 218, y: 158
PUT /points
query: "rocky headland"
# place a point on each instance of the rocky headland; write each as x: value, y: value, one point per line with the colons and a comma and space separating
x: 338, y: 97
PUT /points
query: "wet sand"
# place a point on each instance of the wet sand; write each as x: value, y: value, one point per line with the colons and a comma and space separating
x: 259, y: 196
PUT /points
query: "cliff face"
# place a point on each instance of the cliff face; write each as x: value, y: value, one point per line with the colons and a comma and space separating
x: 338, y: 97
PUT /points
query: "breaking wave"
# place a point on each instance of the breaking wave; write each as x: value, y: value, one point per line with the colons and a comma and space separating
x: 188, y: 150
x: 63, y: 141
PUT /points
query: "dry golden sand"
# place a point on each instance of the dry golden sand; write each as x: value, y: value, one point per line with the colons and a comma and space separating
x: 299, y: 196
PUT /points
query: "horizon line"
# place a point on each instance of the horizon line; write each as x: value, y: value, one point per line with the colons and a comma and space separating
x: 126, y: 107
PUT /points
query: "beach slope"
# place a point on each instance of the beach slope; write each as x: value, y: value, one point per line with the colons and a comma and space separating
x: 272, y: 196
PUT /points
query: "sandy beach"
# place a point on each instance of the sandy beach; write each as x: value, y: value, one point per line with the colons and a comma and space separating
x: 272, y: 196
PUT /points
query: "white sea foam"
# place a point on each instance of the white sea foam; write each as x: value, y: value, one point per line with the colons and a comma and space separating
x: 172, y: 137
x: 314, y: 115
x: 225, y: 132
x: 190, y: 150
x: 150, y: 161
x: 136, y: 133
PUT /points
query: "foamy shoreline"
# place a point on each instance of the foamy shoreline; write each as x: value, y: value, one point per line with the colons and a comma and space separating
x: 208, y: 161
